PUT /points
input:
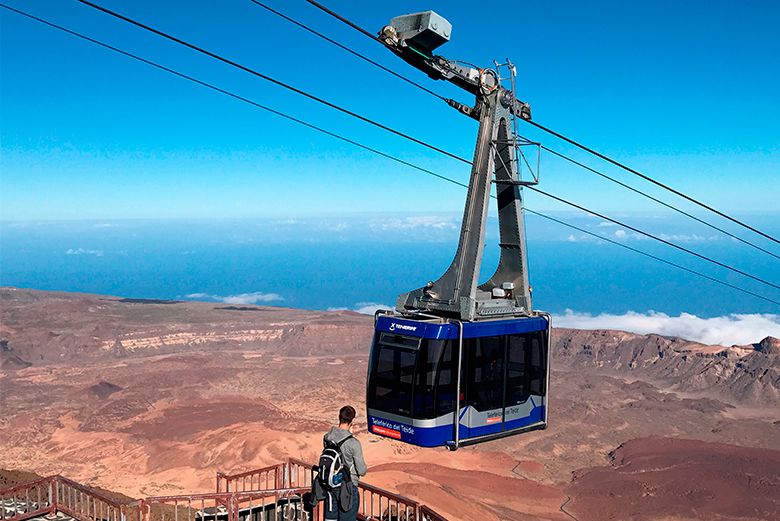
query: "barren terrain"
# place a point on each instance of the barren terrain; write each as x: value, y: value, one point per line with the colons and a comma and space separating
x: 150, y: 397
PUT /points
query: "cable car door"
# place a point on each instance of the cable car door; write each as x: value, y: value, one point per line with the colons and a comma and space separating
x: 483, y: 376
x: 523, y: 364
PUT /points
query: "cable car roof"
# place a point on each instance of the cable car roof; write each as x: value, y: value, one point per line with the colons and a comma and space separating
x: 439, y: 330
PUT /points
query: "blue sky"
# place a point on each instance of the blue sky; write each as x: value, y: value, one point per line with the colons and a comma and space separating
x: 684, y: 91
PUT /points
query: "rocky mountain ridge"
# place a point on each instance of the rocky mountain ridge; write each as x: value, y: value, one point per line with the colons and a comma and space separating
x: 39, y: 328
x: 749, y: 374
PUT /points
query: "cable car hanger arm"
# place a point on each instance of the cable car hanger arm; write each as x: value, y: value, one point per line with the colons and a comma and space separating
x: 498, y: 159
x: 414, y: 37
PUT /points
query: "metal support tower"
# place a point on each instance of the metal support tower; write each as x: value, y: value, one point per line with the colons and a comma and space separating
x: 498, y: 159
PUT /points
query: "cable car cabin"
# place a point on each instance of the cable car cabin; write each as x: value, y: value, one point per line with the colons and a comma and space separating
x: 413, y: 379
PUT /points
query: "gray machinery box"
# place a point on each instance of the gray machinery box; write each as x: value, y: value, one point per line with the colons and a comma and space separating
x: 425, y: 31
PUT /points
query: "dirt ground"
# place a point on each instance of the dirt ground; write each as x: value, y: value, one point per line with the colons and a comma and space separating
x: 162, y: 422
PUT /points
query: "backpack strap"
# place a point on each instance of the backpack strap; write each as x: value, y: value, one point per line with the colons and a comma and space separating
x: 339, y: 444
x: 345, y: 471
x: 330, y: 444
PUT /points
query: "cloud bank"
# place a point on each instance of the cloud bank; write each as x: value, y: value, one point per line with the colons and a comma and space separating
x: 366, y: 308
x: 726, y: 330
x: 242, y: 298
x: 369, y: 308
x: 82, y: 251
x: 415, y: 222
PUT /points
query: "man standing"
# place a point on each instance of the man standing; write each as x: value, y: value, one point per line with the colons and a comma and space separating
x: 352, y: 454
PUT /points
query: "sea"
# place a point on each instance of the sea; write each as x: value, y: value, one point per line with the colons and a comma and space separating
x: 362, y: 262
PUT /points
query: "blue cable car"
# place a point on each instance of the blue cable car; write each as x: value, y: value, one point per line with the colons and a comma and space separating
x: 460, y: 362
x: 434, y: 382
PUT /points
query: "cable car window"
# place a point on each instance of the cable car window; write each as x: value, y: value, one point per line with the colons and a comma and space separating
x: 390, y: 339
x: 430, y: 353
x: 486, y: 373
x: 446, y: 382
x: 392, y: 388
x: 538, y: 362
x: 517, y: 374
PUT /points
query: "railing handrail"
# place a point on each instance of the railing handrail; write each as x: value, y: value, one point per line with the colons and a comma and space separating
x: 296, y: 461
x: 29, y: 484
x: 239, y: 475
x: 62, y: 479
x: 378, y: 490
x: 242, y: 494
x: 91, y: 491
x: 233, y: 502
x: 362, y: 484
x: 229, y: 497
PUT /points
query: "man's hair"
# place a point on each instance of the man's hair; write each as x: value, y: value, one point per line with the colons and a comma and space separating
x: 346, y: 414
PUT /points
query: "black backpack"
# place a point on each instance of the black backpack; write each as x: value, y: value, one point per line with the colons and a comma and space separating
x: 332, y: 472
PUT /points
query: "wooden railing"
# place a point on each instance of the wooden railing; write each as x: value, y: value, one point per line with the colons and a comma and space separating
x: 375, y: 503
x: 260, y: 505
x: 59, y: 494
x: 266, y: 478
x: 275, y: 493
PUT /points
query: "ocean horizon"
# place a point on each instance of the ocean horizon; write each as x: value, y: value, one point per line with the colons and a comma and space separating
x: 362, y: 262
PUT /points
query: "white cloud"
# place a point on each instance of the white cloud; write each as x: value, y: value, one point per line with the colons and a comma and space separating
x: 740, y: 329
x: 82, y: 251
x: 585, y: 238
x: 605, y: 224
x: 416, y: 222
x: 242, y: 298
x: 369, y: 308
x: 337, y: 227
x: 688, y: 238
x: 366, y: 308
x: 620, y: 234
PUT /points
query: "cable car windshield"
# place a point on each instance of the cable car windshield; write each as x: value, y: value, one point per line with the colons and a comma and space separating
x: 412, y: 376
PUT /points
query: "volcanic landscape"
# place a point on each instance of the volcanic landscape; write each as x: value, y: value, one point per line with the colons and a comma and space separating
x: 148, y: 397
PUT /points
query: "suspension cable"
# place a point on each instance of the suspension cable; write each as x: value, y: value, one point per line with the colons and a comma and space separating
x: 149, y: 62
x: 363, y: 118
x: 341, y: 18
x: 646, y: 254
x: 602, y: 156
x: 351, y: 51
x: 655, y: 237
x: 270, y: 79
x: 651, y: 180
x: 662, y: 203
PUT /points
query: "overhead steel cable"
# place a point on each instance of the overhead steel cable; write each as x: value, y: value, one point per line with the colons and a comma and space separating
x: 341, y: 18
x: 228, y: 93
x: 650, y: 255
x: 604, y: 157
x: 363, y: 118
x: 389, y: 156
x: 563, y: 156
x: 268, y: 78
x: 654, y: 237
x: 650, y: 179
x: 351, y: 51
x: 667, y: 205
